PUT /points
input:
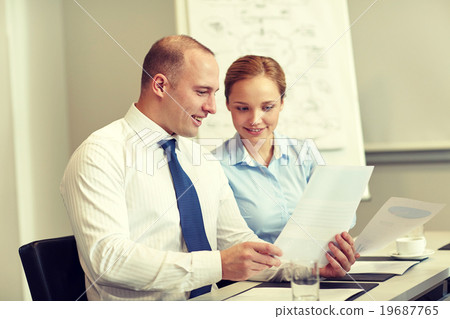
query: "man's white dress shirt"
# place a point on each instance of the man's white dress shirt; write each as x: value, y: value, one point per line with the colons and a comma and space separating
x: 121, y: 202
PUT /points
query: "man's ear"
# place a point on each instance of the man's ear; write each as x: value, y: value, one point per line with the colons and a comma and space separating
x: 228, y: 106
x: 159, y: 84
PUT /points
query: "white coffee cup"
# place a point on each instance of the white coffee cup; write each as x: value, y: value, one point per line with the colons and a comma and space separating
x: 411, y: 246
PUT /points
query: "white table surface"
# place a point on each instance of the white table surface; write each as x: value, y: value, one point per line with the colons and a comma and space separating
x: 409, y: 286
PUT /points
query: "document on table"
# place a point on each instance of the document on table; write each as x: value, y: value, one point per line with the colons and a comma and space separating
x: 285, y: 294
x: 326, y: 208
x: 394, y: 219
x: 381, y: 267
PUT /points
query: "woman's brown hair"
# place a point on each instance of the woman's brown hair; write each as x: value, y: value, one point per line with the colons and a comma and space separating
x: 250, y: 66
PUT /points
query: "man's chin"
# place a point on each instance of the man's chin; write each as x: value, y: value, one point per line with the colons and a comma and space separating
x: 189, y: 134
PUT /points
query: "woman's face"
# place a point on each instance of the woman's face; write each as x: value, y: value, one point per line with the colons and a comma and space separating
x: 255, y: 106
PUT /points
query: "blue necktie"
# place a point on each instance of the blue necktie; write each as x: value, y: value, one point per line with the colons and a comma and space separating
x: 189, y: 207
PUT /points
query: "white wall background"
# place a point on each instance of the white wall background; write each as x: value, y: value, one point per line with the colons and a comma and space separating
x: 401, y: 55
x: 62, y: 78
x: 403, y: 74
x: 9, y: 237
x: 36, y: 142
x: 104, y: 74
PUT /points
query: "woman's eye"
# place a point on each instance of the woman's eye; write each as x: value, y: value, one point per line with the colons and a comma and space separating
x: 268, y: 108
x: 242, y: 108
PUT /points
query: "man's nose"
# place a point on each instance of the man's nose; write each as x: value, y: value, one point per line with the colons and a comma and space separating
x: 210, y: 105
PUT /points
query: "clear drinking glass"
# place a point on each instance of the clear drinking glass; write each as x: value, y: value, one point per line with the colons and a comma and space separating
x: 304, y: 277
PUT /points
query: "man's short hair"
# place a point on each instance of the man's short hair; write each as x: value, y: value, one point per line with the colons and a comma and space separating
x: 166, y: 56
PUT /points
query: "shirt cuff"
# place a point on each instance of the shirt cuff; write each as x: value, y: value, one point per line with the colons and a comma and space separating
x: 207, y: 266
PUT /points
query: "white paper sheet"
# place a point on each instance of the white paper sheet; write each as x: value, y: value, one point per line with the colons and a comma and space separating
x: 381, y: 267
x: 396, y: 217
x: 285, y: 294
x: 326, y: 208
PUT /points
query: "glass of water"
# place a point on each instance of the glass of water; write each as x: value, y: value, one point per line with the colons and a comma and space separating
x: 304, y: 277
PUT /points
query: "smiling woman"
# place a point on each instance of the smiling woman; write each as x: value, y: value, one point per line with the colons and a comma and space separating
x: 255, y: 105
x: 267, y: 171
x: 254, y: 91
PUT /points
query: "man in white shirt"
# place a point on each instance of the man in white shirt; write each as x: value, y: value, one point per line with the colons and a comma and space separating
x: 121, y: 200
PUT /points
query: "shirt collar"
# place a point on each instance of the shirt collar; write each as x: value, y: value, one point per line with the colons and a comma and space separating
x: 278, y: 151
x: 145, y: 129
x: 243, y: 156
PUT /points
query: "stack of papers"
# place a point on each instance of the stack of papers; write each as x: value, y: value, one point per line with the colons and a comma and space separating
x: 381, y: 267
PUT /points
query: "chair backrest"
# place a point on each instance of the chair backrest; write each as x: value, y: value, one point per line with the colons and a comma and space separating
x: 53, y: 269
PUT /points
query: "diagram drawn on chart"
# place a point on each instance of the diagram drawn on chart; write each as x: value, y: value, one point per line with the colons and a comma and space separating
x: 298, y: 40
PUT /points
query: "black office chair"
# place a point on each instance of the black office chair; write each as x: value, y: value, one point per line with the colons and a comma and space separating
x: 53, y: 269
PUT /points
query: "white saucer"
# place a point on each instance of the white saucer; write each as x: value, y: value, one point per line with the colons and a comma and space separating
x: 426, y: 253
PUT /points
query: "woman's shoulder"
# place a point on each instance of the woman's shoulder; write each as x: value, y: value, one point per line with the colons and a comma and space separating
x: 301, y: 148
x: 288, y: 143
x: 282, y: 139
x: 228, y: 151
x: 221, y: 151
